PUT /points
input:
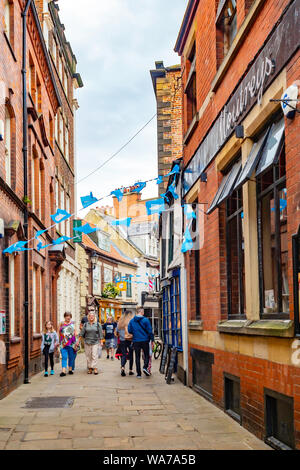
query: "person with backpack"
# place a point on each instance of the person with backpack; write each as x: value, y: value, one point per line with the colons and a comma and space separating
x: 92, y: 334
x: 141, y: 330
x: 125, y: 342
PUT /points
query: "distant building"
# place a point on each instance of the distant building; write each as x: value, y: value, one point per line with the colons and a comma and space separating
x: 168, y: 91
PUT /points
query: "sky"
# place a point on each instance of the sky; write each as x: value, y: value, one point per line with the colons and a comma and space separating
x: 116, y: 43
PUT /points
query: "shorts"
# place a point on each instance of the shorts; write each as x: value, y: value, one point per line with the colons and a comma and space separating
x: 110, y: 343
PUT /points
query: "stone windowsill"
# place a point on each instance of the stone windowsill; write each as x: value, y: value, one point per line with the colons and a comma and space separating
x: 191, y: 128
x: 15, y: 340
x: 37, y: 336
x: 196, y: 325
x: 279, y: 328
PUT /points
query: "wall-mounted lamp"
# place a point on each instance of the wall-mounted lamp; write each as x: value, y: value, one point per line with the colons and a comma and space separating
x: 94, y: 259
x: 239, y: 132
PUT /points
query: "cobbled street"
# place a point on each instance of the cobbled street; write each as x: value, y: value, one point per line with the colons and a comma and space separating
x: 113, y: 412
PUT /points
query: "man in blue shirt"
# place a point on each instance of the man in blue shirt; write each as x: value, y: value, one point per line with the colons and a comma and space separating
x: 141, y: 330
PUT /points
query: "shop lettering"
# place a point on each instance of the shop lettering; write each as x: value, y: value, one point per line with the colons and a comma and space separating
x: 254, y: 87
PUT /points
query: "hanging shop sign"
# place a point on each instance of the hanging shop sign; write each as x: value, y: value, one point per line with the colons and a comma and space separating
x: 282, y: 44
x: 2, y: 322
x: 289, y: 101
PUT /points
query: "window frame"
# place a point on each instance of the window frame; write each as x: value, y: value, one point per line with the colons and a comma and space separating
x: 278, y: 184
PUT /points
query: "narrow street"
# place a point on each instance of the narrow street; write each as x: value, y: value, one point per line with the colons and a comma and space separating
x: 111, y: 412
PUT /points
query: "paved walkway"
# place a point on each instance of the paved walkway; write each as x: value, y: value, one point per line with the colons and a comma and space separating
x: 114, y: 412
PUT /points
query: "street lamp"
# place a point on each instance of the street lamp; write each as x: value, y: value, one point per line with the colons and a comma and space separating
x: 94, y: 259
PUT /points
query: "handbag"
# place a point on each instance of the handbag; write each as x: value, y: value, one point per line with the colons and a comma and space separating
x: 99, y: 351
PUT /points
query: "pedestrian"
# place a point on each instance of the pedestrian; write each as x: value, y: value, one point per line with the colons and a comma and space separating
x: 110, y: 339
x: 67, y: 338
x: 49, y: 344
x: 125, y: 338
x: 92, y: 334
x: 141, y: 330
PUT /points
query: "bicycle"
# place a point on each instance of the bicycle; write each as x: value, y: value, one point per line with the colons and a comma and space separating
x: 157, y: 349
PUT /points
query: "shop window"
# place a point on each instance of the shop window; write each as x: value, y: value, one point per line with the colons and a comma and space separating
x: 226, y: 23
x: 235, y: 254
x: 279, y: 420
x: 273, y: 240
x: 191, y: 86
x: 232, y: 400
x: 202, y: 372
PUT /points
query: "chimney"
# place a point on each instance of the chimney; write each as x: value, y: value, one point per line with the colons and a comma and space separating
x: 126, y: 208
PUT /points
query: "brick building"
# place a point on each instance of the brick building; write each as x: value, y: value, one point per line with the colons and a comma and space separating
x: 167, y: 88
x: 68, y: 80
x: 242, y: 169
x: 42, y: 104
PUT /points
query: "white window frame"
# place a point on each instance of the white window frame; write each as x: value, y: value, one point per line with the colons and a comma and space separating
x: 7, y: 18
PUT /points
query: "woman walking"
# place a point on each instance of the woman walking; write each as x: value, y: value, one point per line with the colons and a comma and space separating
x: 92, y: 334
x: 67, y: 339
x: 49, y: 343
x: 125, y: 342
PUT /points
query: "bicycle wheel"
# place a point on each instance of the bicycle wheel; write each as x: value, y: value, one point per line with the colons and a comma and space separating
x: 157, y: 352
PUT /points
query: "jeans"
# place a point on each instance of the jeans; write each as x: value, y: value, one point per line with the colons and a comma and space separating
x: 67, y: 355
x: 144, y: 345
x: 47, y: 356
x: 126, y: 347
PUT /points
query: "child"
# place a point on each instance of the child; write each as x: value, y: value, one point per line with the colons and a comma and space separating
x: 49, y: 344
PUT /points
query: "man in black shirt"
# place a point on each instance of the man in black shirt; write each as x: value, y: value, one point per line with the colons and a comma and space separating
x: 110, y: 338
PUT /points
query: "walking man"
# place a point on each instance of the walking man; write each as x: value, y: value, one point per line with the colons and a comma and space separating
x: 109, y: 328
x: 141, y: 330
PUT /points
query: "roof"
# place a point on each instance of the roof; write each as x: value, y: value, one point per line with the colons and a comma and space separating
x: 186, y: 25
x: 114, y: 254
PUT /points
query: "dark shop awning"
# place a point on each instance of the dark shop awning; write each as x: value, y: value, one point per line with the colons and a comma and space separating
x: 226, y: 187
x: 273, y: 147
x: 252, y: 161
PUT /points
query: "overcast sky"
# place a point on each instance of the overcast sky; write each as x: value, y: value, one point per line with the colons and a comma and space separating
x: 116, y: 43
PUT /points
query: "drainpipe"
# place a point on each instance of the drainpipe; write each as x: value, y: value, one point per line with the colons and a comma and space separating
x: 25, y: 166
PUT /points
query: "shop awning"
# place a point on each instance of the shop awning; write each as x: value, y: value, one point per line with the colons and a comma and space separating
x: 273, y: 147
x: 252, y: 161
x: 226, y: 187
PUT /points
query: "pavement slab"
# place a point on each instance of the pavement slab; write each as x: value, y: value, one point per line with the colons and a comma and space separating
x: 113, y: 412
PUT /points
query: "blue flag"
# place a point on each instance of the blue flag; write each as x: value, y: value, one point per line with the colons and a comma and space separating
x: 138, y: 187
x: 85, y: 229
x: 41, y: 247
x: 189, y: 212
x: 60, y: 216
x: 175, y: 171
x: 39, y: 233
x: 61, y: 240
x: 16, y: 247
x: 87, y: 201
x: 159, y: 180
x: 172, y: 190
x: 125, y: 222
x: 118, y: 193
x: 156, y: 206
x: 188, y: 243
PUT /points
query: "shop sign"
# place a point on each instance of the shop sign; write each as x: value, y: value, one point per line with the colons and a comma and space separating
x: 291, y: 96
x: 2, y: 322
x: 282, y: 44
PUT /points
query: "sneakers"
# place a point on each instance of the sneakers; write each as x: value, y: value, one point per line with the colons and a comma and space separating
x: 46, y: 374
x: 52, y: 372
x: 146, y: 372
x: 107, y: 357
x: 138, y: 376
x: 62, y: 374
x: 112, y: 358
x: 131, y: 373
x: 71, y: 372
x: 123, y: 373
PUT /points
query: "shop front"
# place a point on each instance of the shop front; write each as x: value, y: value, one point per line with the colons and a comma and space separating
x: 109, y: 307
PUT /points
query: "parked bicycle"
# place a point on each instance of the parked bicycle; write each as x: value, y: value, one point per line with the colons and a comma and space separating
x: 157, y: 349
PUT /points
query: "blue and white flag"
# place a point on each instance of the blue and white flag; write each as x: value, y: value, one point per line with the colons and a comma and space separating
x: 156, y: 206
x: 87, y: 201
x: 60, y: 216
